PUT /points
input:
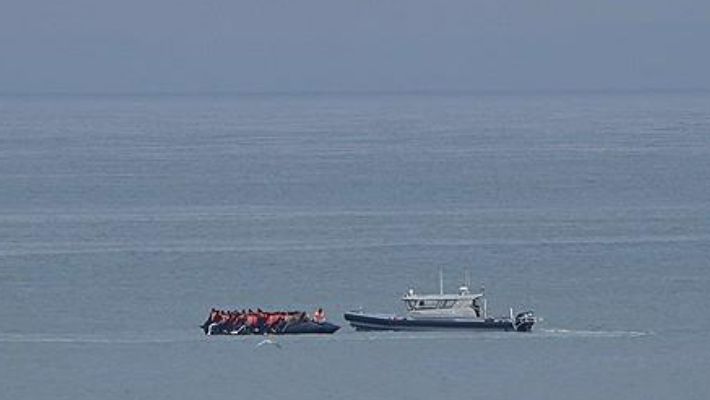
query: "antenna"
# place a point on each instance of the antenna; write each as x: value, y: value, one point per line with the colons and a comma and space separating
x: 441, y: 281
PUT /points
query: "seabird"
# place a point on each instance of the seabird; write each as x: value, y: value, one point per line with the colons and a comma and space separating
x: 268, y: 341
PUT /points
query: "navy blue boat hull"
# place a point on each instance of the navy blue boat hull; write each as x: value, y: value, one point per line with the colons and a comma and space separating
x: 310, y: 328
x: 370, y: 322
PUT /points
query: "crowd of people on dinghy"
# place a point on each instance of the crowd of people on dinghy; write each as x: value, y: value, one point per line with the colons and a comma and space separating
x: 249, y: 322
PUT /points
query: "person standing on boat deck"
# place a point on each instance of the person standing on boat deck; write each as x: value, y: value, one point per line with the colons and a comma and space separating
x: 319, y: 316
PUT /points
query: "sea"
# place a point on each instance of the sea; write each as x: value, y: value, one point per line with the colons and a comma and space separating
x: 125, y: 218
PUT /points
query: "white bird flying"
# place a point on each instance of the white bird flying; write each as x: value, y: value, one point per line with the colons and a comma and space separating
x: 268, y: 341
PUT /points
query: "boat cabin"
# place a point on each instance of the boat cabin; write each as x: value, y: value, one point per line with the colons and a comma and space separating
x: 462, y: 305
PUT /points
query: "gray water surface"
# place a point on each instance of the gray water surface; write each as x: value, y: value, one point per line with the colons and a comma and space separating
x: 124, y: 219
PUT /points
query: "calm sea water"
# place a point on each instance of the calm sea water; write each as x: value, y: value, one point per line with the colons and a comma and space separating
x: 123, y: 220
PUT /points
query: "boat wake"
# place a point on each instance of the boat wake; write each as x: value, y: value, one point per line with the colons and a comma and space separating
x: 568, y: 333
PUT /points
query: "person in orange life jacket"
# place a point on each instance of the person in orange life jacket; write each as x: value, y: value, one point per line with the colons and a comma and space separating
x: 272, y: 322
x: 272, y: 319
x: 233, y: 321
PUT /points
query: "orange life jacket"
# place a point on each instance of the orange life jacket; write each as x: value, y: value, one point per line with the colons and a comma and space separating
x: 272, y: 319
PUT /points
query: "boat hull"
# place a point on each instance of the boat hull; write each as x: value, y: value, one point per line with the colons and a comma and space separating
x: 310, y: 328
x: 298, y: 328
x: 373, y: 322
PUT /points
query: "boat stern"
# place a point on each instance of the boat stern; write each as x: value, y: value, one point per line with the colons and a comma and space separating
x: 524, y: 321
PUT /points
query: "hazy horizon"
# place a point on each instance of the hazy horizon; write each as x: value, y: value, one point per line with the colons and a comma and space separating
x: 160, y: 46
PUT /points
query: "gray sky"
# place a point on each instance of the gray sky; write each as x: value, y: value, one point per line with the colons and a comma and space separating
x: 295, y: 45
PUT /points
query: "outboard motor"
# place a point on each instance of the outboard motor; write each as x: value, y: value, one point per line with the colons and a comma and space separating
x: 524, y: 321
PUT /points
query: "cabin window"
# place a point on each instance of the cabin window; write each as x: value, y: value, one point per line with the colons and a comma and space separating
x: 426, y: 304
x: 446, y: 303
x: 411, y: 304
